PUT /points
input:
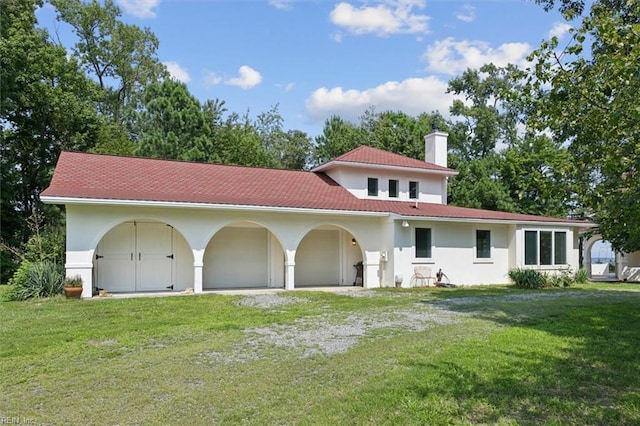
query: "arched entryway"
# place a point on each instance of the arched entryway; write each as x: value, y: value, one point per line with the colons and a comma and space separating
x: 243, y: 255
x: 600, y: 259
x: 328, y: 255
x: 143, y: 255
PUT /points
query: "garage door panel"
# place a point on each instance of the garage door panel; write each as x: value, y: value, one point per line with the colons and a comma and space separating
x: 115, y: 263
x: 237, y: 257
x: 155, y: 256
x: 318, y: 259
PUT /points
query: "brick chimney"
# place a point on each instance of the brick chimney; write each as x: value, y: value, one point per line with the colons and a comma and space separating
x: 435, y: 147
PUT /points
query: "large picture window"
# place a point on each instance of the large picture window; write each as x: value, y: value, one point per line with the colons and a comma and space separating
x: 545, y: 248
x: 483, y: 244
x: 423, y: 243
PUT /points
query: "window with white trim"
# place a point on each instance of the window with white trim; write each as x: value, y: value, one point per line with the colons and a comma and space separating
x: 545, y: 247
x: 423, y: 243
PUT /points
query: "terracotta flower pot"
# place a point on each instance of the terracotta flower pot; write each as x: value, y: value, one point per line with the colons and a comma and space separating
x: 73, y: 292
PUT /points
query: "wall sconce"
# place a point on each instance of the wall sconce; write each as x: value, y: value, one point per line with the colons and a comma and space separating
x: 353, y: 241
x: 405, y: 224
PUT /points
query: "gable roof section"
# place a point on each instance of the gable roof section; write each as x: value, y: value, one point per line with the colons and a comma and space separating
x: 366, y: 155
x: 91, y: 178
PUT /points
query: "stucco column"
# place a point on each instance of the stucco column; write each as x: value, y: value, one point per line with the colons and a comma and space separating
x: 81, y: 263
x: 289, y: 270
x: 198, y: 263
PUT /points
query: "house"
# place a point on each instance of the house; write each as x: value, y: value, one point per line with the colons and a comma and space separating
x: 368, y: 217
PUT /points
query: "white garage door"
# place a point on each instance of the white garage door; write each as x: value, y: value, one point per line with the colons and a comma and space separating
x: 237, y: 257
x: 318, y: 259
x: 136, y: 256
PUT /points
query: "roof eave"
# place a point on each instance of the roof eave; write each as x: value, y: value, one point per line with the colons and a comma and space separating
x: 333, y: 164
x: 208, y: 206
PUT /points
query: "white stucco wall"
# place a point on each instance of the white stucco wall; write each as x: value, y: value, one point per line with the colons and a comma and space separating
x: 87, y: 225
x: 282, y: 249
x: 432, y: 189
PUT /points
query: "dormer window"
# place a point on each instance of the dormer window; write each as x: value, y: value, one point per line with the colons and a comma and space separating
x: 413, y: 190
x: 373, y: 187
x: 394, y: 188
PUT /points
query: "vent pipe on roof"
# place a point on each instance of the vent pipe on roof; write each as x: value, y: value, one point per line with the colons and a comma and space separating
x: 435, y: 147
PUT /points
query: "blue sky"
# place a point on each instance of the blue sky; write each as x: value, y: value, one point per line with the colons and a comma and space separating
x: 318, y: 58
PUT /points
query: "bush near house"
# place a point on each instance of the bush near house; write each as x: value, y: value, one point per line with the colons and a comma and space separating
x: 532, y: 279
x: 36, y: 279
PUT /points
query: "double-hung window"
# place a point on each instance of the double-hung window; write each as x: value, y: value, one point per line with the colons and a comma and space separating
x: 545, y: 247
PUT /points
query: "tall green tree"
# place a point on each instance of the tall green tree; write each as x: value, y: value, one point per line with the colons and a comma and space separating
x: 172, y: 124
x: 587, y: 95
x: 338, y: 137
x: 121, y: 58
x: 46, y: 105
x: 536, y: 172
x: 488, y: 114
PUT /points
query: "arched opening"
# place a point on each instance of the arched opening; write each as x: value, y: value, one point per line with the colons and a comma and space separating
x: 243, y: 255
x: 600, y: 260
x: 328, y: 255
x: 143, y: 255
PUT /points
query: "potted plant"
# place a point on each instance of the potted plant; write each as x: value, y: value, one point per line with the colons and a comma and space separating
x: 73, y: 287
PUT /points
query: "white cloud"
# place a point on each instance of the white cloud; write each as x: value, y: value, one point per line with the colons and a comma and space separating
x: 559, y: 29
x: 177, y: 72
x: 247, y: 79
x: 211, y: 79
x: 289, y: 87
x: 281, y: 4
x: 387, y: 17
x: 412, y: 96
x: 140, y: 8
x: 453, y: 57
x: 467, y: 13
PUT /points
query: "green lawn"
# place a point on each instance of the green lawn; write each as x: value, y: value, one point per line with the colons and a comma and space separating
x: 490, y: 355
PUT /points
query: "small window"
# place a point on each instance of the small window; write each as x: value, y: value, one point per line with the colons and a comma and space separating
x: 483, y: 244
x: 560, y: 248
x: 413, y: 189
x: 373, y: 187
x: 423, y: 242
x: 393, y: 188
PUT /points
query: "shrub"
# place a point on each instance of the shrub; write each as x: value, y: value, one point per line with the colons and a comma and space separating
x: 37, y: 279
x: 581, y: 276
x: 561, y: 279
x: 528, y: 278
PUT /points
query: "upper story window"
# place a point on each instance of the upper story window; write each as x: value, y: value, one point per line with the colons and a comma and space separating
x: 423, y: 243
x: 394, y: 186
x: 545, y: 248
x: 373, y: 187
x: 483, y: 244
x: 413, y: 189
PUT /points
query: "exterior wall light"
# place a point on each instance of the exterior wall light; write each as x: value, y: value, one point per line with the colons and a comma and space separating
x: 405, y: 224
x: 353, y: 241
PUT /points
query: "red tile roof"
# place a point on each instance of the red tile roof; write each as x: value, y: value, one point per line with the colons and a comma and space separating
x: 368, y: 155
x: 105, y: 177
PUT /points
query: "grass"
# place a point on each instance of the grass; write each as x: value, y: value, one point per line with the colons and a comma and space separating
x: 562, y: 356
